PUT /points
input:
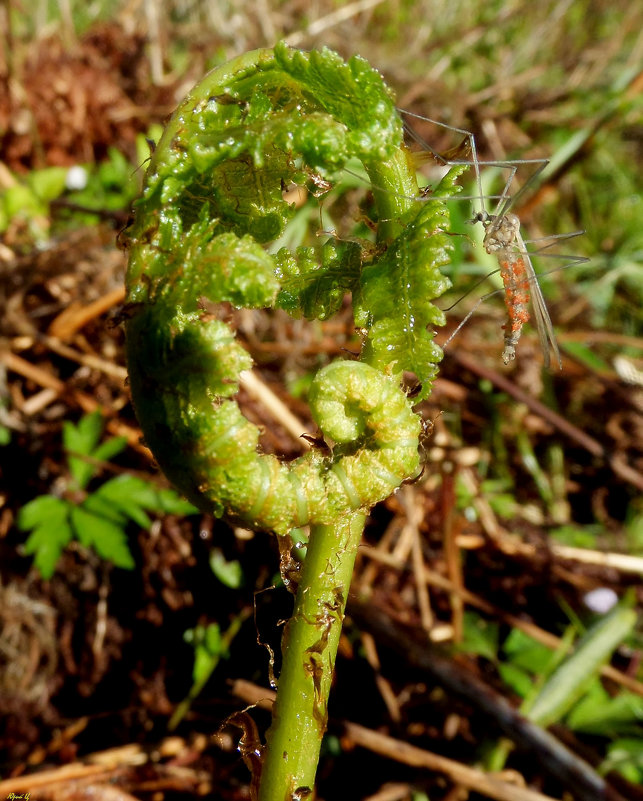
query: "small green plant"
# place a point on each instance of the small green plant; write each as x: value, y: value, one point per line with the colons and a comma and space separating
x: 211, y: 645
x: 96, y: 519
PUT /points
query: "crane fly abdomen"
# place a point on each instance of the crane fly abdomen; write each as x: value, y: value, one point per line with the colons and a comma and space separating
x: 516, y: 282
x: 502, y: 239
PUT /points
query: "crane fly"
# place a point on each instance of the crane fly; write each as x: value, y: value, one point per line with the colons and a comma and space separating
x: 503, y: 240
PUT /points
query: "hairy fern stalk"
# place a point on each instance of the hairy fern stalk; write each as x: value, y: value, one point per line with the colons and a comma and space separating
x: 212, y: 204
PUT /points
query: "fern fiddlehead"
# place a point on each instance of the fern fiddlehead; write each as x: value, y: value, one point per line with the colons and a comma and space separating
x: 212, y: 203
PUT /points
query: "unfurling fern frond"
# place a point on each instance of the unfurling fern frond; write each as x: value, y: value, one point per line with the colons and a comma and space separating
x: 212, y: 214
x: 212, y: 203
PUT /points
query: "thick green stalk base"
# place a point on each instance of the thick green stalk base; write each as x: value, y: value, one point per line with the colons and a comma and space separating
x: 309, y: 649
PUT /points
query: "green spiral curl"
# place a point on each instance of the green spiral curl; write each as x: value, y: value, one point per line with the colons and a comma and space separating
x: 212, y: 204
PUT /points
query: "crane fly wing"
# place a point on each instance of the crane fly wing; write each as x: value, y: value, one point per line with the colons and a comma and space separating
x: 546, y: 334
x: 457, y: 154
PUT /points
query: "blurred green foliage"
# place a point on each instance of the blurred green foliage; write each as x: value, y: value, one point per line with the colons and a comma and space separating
x: 564, y: 686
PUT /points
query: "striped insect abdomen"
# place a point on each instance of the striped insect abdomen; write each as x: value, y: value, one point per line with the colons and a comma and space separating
x: 515, y: 279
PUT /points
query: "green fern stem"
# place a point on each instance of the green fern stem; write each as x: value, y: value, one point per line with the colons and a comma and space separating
x: 212, y: 204
x: 309, y: 648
